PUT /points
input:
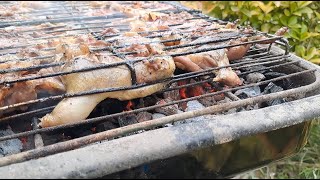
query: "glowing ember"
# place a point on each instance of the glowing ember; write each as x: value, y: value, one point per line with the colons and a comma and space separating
x: 182, y: 91
x: 129, y: 106
x: 24, y: 140
x: 195, y: 91
x: 93, y: 129
x: 207, y: 85
x: 217, y: 96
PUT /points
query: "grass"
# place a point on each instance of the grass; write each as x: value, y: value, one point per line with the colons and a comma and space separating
x: 304, y: 165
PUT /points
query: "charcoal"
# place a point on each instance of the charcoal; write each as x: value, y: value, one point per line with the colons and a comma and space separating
x: 229, y: 111
x: 174, y: 94
x: 140, y: 103
x: 149, y: 101
x: 284, y: 83
x: 191, y: 106
x: 273, y: 88
x: 207, y: 101
x: 255, y: 77
x: 43, y: 94
x: 167, y: 110
x: 76, y: 132
x: 106, y: 126
x: 108, y: 106
x: 144, y: 116
x: 248, y: 92
x: 11, y: 146
x: 127, y: 120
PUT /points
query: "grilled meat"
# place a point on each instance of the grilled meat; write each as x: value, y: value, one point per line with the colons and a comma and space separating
x: 74, y: 109
x: 25, y: 91
x: 144, y: 24
x: 206, y: 60
x: 202, y: 61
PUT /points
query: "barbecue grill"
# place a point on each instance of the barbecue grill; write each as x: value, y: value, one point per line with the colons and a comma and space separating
x: 246, y: 131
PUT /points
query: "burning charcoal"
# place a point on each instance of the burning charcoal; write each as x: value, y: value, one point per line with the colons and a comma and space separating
x: 272, y: 88
x: 127, y: 120
x: 255, y: 77
x: 11, y: 146
x: 167, y: 110
x: 174, y: 94
x: 248, y: 92
x: 195, y: 90
x: 144, y: 116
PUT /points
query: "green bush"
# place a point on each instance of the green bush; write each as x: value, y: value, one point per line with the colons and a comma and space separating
x: 302, y: 18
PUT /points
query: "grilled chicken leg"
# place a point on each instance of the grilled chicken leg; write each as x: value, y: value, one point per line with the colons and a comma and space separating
x: 201, y: 61
x: 74, y: 109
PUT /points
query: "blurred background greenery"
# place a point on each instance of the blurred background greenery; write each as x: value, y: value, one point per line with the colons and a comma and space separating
x: 303, y: 20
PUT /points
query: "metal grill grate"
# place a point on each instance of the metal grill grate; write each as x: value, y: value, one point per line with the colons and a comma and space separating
x: 62, y: 12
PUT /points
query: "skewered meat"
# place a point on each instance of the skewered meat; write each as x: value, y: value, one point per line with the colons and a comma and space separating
x: 79, y: 108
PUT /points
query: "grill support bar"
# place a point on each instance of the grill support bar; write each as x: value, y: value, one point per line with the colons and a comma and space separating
x: 116, y: 155
x: 79, y: 142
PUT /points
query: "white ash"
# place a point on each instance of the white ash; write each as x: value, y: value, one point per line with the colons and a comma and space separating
x: 11, y: 146
x: 191, y: 106
x: 194, y: 105
x: 255, y: 77
x: 252, y: 107
x: 272, y: 88
x: 248, y: 92
x: 158, y: 115
x: 229, y: 111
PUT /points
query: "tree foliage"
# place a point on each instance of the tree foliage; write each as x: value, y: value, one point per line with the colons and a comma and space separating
x: 302, y: 18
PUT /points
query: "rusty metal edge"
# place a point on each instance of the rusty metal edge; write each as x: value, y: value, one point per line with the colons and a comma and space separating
x: 131, y: 151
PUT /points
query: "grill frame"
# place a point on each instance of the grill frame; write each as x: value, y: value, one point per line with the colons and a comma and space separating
x: 106, y: 157
x: 80, y: 142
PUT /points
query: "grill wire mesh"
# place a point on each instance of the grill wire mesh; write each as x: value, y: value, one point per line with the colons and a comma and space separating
x: 72, y: 20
